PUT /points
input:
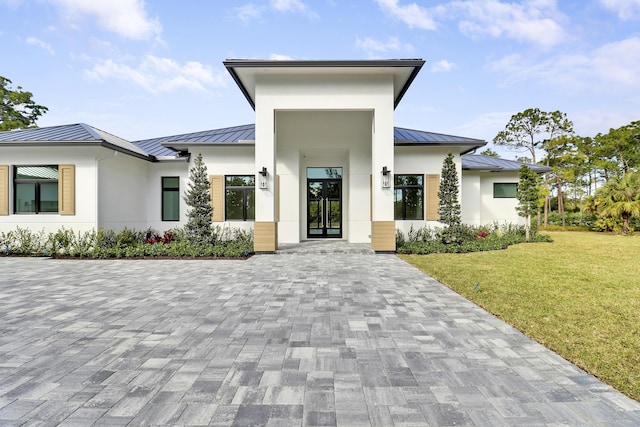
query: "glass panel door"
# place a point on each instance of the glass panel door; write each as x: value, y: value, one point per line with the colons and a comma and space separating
x: 324, y: 208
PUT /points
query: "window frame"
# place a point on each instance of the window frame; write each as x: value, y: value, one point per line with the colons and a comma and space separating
x: 37, y: 190
x: 404, y: 189
x: 245, y: 190
x: 512, y: 184
x: 164, y: 189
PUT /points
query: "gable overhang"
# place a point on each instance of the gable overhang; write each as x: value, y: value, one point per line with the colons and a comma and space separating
x: 79, y: 144
x: 246, y: 71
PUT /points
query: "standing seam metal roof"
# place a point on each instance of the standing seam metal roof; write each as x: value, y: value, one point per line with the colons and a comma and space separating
x: 402, y: 136
x: 495, y: 164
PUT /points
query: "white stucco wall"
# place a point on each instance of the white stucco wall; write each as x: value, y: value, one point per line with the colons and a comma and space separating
x: 370, y: 94
x: 84, y: 159
x: 421, y: 161
x: 498, y: 210
x: 154, y: 193
x: 123, y: 184
x: 226, y: 160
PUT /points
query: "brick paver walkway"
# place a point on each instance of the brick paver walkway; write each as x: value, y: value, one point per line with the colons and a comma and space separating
x: 277, y: 340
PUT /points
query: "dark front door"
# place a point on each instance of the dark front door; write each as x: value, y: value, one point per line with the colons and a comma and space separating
x: 324, y: 207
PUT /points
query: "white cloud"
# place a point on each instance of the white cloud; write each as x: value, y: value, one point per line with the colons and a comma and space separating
x: 156, y: 74
x: 412, y: 14
x: 33, y: 41
x: 288, y: 5
x: 279, y: 57
x: 249, y: 12
x: 613, y: 66
x: 127, y: 18
x: 442, y: 66
x: 625, y: 9
x: 533, y: 21
x: 377, y: 48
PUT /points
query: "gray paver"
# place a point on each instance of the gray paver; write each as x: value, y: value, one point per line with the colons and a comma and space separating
x: 317, y: 336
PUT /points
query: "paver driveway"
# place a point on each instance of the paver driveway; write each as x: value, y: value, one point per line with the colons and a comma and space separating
x: 275, y: 340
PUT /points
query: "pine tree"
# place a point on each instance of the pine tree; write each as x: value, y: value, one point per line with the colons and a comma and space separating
x: 449, y: 207
x: 197, y: 197
x: 528, y: 195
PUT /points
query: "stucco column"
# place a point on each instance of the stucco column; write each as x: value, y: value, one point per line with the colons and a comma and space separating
x: 265, y: 227
x: 382, y: 215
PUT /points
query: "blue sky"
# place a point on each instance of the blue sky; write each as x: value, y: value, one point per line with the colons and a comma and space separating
x: 145, y: 69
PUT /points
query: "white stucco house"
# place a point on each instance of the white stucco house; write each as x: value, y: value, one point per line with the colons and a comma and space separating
x: 323, y: 160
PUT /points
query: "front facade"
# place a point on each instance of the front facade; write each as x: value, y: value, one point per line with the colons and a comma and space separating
x: 323, y: 161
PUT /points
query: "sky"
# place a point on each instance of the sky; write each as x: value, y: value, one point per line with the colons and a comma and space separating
x: 142, y: 69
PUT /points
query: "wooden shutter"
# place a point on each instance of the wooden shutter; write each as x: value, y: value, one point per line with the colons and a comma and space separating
x: 4, y: 190
x: 217, y: 197
x: 66, y: 189
x: 433, y: 185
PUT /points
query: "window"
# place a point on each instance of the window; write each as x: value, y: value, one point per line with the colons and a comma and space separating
x: 240, y: 191
x: 35, y: 189
x: 170, y: 198
x: 504, y: 190
x: 408, y: 200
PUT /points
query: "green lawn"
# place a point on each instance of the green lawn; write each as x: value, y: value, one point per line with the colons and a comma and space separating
x: 579, y: 296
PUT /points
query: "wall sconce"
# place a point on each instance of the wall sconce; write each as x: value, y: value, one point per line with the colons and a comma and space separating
x: 386, y: 177
x: 263, y: 178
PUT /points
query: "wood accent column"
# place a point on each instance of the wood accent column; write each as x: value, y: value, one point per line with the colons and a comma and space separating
x: 265, y: 237
x: 383, y: 236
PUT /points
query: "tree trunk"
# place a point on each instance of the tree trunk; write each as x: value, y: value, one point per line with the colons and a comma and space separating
x: 527, y: 226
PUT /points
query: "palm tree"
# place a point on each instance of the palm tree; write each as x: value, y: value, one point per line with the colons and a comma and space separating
x: 620, y: 198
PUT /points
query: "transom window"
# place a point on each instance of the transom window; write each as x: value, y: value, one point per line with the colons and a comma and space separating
x: 240, y: 197
x: 408, y: 197
x: 505, y: 190
x: 170, y: 198
x: 35, y: 189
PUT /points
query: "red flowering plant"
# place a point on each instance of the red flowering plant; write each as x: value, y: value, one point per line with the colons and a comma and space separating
x: 482, y: 234
x: 157, y: 238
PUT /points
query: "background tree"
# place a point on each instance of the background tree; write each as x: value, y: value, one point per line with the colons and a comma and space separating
x: 449, y: 206
x: 620, y: 198
x: 17, y: 109
x: 528, y: 195
x: 197, y: 196
x: 489, y: 152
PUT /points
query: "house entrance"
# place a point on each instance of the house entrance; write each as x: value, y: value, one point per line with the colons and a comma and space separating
x: 324, y: 202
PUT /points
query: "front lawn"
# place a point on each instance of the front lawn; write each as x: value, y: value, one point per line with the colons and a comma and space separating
x: 579, y: 296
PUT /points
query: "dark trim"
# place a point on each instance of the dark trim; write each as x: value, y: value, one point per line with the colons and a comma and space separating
x: 232, y: 64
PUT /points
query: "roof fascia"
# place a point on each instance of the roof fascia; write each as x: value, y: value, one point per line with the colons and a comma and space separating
x: 232, y: 64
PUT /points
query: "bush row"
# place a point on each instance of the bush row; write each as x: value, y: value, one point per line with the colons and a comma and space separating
x: 463, y: 238
x: 128, y: 243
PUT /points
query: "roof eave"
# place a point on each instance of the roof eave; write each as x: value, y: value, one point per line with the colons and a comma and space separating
x: 232, y: 64
x: 104, y: 144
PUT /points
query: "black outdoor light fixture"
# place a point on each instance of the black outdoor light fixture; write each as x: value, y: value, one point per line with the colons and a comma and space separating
x: 386, y: 177
x: 263, y: 177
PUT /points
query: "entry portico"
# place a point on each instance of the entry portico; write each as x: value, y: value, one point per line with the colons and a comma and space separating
x: 324, y: 147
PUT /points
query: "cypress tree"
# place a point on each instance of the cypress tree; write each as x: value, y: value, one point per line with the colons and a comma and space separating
x: 197, y: 197
x: 449, y: 207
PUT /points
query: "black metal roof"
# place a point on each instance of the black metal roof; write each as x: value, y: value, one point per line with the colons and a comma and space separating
x: 495, y: 164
